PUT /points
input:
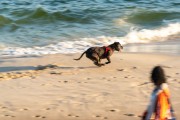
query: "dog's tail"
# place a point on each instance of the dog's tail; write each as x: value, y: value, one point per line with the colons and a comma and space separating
x: 80, y: 56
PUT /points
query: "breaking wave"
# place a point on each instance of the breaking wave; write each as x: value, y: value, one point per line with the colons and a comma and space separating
x: 79, y: 45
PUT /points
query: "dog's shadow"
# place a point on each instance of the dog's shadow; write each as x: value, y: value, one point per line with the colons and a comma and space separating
x: 25, y: 68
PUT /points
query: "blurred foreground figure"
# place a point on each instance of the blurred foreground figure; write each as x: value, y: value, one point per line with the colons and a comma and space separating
x: 160, y: 107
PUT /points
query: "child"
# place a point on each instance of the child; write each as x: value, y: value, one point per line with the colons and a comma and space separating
x: 160, y: 107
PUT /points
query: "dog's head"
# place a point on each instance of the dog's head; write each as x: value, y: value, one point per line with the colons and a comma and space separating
x: 117, y: 46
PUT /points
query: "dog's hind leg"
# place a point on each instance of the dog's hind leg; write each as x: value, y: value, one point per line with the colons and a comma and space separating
x: 98, y: 63
x: 96, y: 60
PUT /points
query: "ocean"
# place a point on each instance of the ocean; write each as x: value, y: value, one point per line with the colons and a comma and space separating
x: 38, y: 27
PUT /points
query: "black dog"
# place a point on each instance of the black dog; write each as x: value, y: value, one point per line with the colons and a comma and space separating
x: 97, y: 53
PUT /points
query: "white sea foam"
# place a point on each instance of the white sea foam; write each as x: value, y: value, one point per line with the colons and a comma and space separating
x: 147, y: 36
x: 79, y: 45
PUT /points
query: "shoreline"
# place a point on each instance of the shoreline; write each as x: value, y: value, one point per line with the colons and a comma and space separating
x: 170, y: 47
x: 54, y: 87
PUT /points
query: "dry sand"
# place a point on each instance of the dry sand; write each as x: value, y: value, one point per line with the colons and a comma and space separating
x: 64, y: 89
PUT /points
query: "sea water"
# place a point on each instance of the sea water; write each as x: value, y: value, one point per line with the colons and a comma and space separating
x: 37, y: 27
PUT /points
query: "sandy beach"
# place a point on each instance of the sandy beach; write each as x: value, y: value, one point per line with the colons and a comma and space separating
x: 55, y: 87
x: 39, y: 80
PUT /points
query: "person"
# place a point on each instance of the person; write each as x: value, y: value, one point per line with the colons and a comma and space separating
x: 160, y: 107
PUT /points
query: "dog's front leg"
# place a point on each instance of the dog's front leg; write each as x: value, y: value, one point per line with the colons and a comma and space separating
x: 109, y: 60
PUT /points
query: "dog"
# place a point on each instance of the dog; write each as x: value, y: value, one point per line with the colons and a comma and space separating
x: 97, y: 53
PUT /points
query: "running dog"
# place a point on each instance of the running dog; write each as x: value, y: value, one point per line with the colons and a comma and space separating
x: 97, y: 53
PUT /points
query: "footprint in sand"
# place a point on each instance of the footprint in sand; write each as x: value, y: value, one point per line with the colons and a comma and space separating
x: 15, y: 75
x: 82, y: 82
x: 120, y: 69
x: 129, y: 76
x: 133, y: 115
x: 145, y: 83
x: 134, y: 67
x: 88, y: 78
x: 24, y: 109
x: 39, y: 116
x: 105, y: 118
x: 48, y: 109
x: 65, y: 81
x: 114, y: 110
x: 55, y: 73
x: 9, y: 116
x: 168, y: 76
x: 98, y: 116
x: 3, y: 107
x: 70, y: 115
x: 126, y: 77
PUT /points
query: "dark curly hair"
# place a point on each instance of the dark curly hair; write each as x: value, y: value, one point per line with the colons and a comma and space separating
x: 158, y: 76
